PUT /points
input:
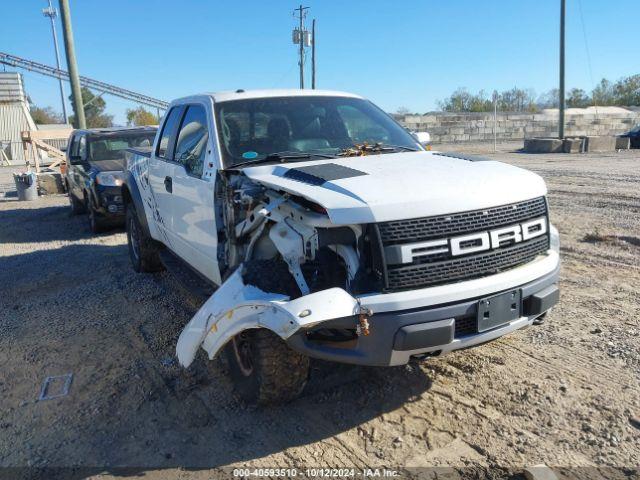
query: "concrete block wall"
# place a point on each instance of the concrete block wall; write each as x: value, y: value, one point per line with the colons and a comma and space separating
x: 477, y: 127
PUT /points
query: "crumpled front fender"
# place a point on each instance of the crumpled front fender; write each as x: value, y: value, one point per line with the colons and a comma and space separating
x: 236, y: 306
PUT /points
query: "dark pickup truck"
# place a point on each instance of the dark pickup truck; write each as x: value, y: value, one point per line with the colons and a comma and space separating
x: 95, y: 164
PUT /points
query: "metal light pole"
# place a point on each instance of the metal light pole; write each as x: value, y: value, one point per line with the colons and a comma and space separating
x: 72, y: 66
x: 313, y: 54
x: 561, y: 89
x: 52, y: 14
x: 495, y: 121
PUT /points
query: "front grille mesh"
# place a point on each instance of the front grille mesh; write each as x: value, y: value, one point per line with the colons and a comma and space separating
x: 465, y: 326
x: 404, y: 231
x: 466, y: 268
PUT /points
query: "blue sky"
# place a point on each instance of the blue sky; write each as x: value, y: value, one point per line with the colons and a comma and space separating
x: 397, y: 53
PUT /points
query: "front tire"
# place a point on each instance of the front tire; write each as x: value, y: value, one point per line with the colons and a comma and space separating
x: 263, y: 368
x: 76, y: 205
x: 96, y: 224
x: 143, y: 251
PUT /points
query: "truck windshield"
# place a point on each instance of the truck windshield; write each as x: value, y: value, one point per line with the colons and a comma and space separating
x: 254, y: 129
x: 113, y: 147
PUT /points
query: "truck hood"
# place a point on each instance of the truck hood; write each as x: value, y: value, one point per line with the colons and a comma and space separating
x: 113, y: 165
x: 395, y: 186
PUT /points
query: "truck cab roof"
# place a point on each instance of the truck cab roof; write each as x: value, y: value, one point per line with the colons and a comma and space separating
x: 116, y: 130
x: 240, y: 94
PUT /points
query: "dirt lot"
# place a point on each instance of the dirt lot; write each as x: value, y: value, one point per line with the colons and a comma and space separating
x: 565, y: 394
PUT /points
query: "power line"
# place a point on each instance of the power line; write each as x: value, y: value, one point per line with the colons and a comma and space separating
x: 103, y: 87
x: 586, y: 46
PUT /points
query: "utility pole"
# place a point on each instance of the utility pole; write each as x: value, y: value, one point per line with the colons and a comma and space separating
x: 495, y: 121
x: 313, y: 54
x: 299, y: 38
x: 72, y: 66
x: 52, y: 14
x: 561, y: 89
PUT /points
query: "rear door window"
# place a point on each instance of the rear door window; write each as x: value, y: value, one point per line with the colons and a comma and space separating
x: 167, y: 139
x: 191, y: 145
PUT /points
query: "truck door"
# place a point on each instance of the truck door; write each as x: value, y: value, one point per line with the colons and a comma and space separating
x: 193, y: 220
x: 161, y: 167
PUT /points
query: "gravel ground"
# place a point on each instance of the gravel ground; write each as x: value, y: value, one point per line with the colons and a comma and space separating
x: 565, y: 394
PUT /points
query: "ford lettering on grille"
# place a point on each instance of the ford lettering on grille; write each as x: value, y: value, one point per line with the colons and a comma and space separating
x: 466, y: 244
x: 431, y: 251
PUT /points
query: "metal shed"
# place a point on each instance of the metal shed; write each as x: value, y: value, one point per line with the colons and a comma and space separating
x: 15, y: 118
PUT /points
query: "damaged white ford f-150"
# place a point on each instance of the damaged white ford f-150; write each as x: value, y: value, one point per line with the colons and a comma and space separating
x: 320, y: 227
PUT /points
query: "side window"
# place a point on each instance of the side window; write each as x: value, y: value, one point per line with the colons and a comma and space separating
x: 72, y: 148
x: 168, y: 129
x: 191, y: 146
x: 82, y: 147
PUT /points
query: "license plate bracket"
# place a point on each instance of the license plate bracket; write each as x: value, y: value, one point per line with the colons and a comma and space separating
x: 499, y: 309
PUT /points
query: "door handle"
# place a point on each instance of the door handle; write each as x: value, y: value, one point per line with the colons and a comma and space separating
x: 168, y: 184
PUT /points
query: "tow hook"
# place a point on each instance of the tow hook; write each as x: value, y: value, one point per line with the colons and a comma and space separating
x: 363, y: 321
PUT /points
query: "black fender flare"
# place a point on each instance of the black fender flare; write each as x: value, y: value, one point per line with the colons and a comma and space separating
x: 131, y: 195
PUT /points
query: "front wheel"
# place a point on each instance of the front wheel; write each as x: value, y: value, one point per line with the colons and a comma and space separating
x: 96, y: 223
x: 142, y: 250
x: 264, y: 369
x: 76, y: 205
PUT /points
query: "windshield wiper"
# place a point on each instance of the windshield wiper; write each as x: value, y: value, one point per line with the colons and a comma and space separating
x: 362, y: 149
x: 283, y: 157
x: 399, y: 147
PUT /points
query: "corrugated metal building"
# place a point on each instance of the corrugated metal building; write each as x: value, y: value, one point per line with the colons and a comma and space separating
x: 15, y: 118
x: 14, y: 115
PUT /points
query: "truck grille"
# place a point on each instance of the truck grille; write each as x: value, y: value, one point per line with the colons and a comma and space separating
x: 439, y: 269
x: 405, y: 231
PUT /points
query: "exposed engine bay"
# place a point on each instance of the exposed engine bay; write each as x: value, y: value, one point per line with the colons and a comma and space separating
x: 260, y: 223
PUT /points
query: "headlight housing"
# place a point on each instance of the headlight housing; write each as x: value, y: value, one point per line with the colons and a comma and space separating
x: 555, y: 239
x: 110, y: 179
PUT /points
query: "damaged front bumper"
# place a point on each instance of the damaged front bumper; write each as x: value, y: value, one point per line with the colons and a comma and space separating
x: 236, y: 307
x: 385, y: 338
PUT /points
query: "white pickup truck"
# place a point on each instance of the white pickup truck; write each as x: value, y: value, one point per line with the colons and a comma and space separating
x: 317, y: 226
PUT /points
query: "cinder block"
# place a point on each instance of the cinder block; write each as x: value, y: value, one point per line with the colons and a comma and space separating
x: 572, y: 145
x: 543, y: 145
x: 50, y: 183
x: 600, y: 144
x: 623, y: 143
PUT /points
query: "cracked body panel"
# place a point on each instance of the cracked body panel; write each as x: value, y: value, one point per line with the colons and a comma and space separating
x: 235, y: 307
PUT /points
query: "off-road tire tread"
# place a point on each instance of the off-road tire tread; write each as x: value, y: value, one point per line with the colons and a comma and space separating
x: 149, y: 257
x: 271, y: 276
x: 283, y: 372
x: 280, y: 373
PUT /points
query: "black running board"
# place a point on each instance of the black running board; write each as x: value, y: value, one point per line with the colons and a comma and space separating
x: 190, y: 280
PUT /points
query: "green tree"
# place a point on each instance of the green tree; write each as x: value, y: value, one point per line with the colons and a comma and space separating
x: 463, y: 101
x: 94, y: 107
x: 141, y: 116
x: 549, y: 99
x: 516, y: 100
x: 626, y: 91
x: 45, y: 115
x: 578, y: 98
x: 603, y: 93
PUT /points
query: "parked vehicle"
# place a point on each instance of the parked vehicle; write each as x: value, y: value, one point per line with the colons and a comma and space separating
x: 95, y: 171
x: 634, y: 137
x: 322, y: 228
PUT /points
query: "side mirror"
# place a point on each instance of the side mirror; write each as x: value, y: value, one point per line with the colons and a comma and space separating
x: 75, y: 160
x: 423, y: 138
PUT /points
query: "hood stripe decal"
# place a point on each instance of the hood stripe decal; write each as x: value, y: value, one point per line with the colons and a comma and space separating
x: 320, y: 174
